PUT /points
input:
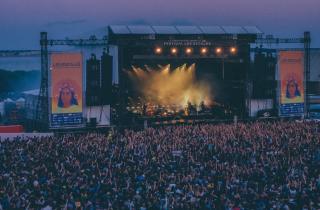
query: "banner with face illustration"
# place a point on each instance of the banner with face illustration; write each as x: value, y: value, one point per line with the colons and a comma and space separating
x: 291, y: 72
x: 66, y: 89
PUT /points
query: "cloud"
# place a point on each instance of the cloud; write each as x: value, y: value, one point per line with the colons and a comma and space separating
x: 61, y: 23
x: 131, y: 22
x: 181, y: 22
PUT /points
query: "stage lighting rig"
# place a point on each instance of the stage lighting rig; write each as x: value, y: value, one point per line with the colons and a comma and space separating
x: 158, y: 50
x: 233, y: 50
x: 204, y: 51
x: 189, y: 50
x: 174, y: 51
x: 218, y: 50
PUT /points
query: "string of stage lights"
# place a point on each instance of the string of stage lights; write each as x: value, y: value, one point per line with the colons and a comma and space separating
x: 204, y: 51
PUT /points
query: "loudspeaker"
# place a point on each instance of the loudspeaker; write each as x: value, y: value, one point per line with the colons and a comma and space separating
x: 106, y: 78
x: 93, y: 82
x: 93, y: 122
x: 99, y: 80
x: 263, y: 76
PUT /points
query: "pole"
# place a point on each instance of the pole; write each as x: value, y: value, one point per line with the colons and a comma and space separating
x: 307, y: 41
x: 42, y: 110
x: 222, y: 68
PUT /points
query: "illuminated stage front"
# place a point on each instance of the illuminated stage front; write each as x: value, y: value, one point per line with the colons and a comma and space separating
x: 185, y: 89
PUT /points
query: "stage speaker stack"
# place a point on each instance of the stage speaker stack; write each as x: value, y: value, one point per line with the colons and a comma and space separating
x: 93, y: 82
x: 263, y: 76
x: 271, y: 75
x: 93, y: 122
x: 99, y: 80
x: 106, y: 78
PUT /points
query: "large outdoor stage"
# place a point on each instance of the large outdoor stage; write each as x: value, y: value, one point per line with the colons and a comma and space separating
x: 141, y: 73
x: 182, y: 72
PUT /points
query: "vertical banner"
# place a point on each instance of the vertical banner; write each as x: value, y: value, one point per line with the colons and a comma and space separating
x: 66, y: 89
x: 291, y: 70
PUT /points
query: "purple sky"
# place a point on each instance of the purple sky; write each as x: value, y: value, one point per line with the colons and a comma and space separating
x: 22, y: 20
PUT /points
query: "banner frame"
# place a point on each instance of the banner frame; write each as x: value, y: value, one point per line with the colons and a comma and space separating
x: 50, y: 98
x: 279, y: 92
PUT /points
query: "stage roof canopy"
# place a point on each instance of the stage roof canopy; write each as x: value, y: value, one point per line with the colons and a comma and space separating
x: 182, y: 30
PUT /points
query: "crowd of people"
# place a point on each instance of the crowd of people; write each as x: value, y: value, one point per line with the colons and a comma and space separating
x: 259, y: 165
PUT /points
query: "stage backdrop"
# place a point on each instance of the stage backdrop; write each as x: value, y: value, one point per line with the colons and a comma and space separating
x: 66, y: 89
x: 291, y: 72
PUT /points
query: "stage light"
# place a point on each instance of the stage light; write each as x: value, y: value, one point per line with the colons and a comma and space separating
x: 204, y: 50
x: 158, y: 50
x: 188, y: 50
x: 233, y: 50
x: 218, y: 50
x: 174, y: 51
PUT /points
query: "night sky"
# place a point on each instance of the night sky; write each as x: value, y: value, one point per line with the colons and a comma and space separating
x: 22, y: 20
